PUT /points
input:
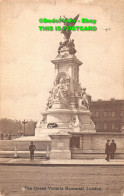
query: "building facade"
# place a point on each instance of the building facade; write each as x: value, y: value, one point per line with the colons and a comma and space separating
x: 108, y: 116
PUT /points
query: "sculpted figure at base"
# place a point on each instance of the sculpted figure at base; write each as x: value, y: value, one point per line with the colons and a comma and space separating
x: 42, y: 122
x: 74, y: 123
x: 84, y: 98
x: 60, y: 93
x: 50, y: 100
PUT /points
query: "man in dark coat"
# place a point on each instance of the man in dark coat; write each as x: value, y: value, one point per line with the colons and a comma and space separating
x: 1, y: 136
x: 32, y: 148
x: 107, y: 150
x: 112, y: 149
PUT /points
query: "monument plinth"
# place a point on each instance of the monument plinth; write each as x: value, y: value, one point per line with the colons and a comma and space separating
x: 60, y: 146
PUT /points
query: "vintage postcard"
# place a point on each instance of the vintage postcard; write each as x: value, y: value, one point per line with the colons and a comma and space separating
x: 62, y: 97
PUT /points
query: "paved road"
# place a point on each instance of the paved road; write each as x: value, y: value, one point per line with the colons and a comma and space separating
x: 42, y: 181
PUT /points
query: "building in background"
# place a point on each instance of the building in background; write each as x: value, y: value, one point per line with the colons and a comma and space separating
x: 108, y: 116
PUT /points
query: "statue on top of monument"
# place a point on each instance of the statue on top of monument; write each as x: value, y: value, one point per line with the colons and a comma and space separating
x: 67, y: 33
x: 71, y: 46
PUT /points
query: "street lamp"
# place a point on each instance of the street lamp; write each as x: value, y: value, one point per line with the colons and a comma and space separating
x: 24, y: 122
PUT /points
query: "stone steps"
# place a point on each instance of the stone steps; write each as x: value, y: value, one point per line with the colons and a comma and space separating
x: 23, y: 154
x: 44, y: 154
x: 94, y: 156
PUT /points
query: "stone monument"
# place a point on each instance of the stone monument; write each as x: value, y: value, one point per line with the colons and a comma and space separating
x: 67, y: 99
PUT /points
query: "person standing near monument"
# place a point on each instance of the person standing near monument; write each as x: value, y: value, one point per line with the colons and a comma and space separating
x: 1, y: 136
x: 9, y: 137
x: 32, y: 148
x: 107, y: 150
x: 112, y: 149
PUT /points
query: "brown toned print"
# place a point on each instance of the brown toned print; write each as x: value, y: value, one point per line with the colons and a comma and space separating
x: 62, y: 94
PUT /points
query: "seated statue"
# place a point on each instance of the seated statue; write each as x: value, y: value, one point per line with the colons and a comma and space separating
x: 59, y: 92
x: 41, y: 123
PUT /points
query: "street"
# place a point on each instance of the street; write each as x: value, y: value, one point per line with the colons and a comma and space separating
x: 62, y: 180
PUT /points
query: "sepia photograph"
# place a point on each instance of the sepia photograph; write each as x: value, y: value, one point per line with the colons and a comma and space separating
x: 62, y: 98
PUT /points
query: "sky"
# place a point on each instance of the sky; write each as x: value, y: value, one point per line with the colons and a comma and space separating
x: 26, y: 70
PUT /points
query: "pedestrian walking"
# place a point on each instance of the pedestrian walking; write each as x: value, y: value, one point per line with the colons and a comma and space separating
x: 32, y: 148
x: 107, y: 150
x: 112, y: 149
